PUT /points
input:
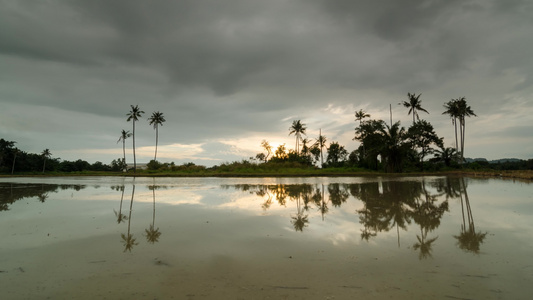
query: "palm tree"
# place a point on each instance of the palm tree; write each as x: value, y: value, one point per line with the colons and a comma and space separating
x: 45, y: 154
x: 298, y: 128
x: 447, y: 155
x: 134, y: 115
x: 453, y: 111
x: 15, y: 152
x: 360, y: 115
x: 156, y: 119
x: 393, y: 146
x: 463, y: 110
x: 321, y: 143
x: 124, y: 135
x: 414, y: 105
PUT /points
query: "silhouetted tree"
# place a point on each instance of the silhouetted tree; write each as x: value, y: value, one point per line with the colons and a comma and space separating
x: 298, y: 128
x: 123, y: 136
x: 422, y: 136
x: 156, y: 119
x: 464, y: 110
x: 134, y: 115
x: 414, y: 105
x: 46, y: 154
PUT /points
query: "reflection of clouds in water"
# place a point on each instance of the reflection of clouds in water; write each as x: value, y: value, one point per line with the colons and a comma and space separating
x: 170, y: 196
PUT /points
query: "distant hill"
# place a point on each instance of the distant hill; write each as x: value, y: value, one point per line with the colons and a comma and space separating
x: 495, y: 161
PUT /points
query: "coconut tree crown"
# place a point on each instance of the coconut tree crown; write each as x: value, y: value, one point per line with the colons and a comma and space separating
x: 414, y: 105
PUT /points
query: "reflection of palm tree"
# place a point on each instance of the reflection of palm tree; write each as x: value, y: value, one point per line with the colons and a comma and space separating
x: 427, y: 215
x: 299, y: 221
x: 323, y: 204
x: 336, y: 195
x: 42, y: 197
x: 153, y: 234
x: 128, y: 239
x: 120, y: 216
x: 261, y: 193
x: 366, y: 232
x: 424, y: 245
x: 469, y: 240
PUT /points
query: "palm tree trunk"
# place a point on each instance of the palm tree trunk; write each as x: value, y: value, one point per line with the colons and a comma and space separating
x: 13, y: 167
x: 456, y: 142
x: 296, y: 147
x: 156, y: 139
x: 44, y: 164
x: 463, y: 140
x: 153, y: 194
x: 124, y: 152
x: 134, y: 158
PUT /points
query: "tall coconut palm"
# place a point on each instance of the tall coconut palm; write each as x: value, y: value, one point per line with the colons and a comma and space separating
x: 134, y: 115
x: 156, y: 119
x: 452, y: 109
x: 298, y: 128
x: 15, y: 152
x: 321, y: 143
x: 123, y: 136
x: 414, y: 105
x: 360, y: 115
x: 46, y: 154
x: 464, y: 110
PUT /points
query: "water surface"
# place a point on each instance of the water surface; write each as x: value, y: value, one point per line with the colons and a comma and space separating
x: 265, y: 238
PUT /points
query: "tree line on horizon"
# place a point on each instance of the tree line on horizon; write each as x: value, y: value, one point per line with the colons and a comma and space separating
x: 390, y: 148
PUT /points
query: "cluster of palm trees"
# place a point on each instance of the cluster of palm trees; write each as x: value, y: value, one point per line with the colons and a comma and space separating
x: 299, y: 130
x: 394, y: 144
x: 156, y: 119
x: 457, y: 109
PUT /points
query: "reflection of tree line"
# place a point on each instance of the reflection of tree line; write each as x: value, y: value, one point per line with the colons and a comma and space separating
x: 12, y: 192
x: 152, y: 233
x: 387, y: 205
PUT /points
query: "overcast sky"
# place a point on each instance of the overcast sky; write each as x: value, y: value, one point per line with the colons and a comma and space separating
x: 228, y: 74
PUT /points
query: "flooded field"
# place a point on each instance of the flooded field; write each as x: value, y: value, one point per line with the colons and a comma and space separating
x: 265, y: 238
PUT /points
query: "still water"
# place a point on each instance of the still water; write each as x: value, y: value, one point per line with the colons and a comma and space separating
x: 266, y: 238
